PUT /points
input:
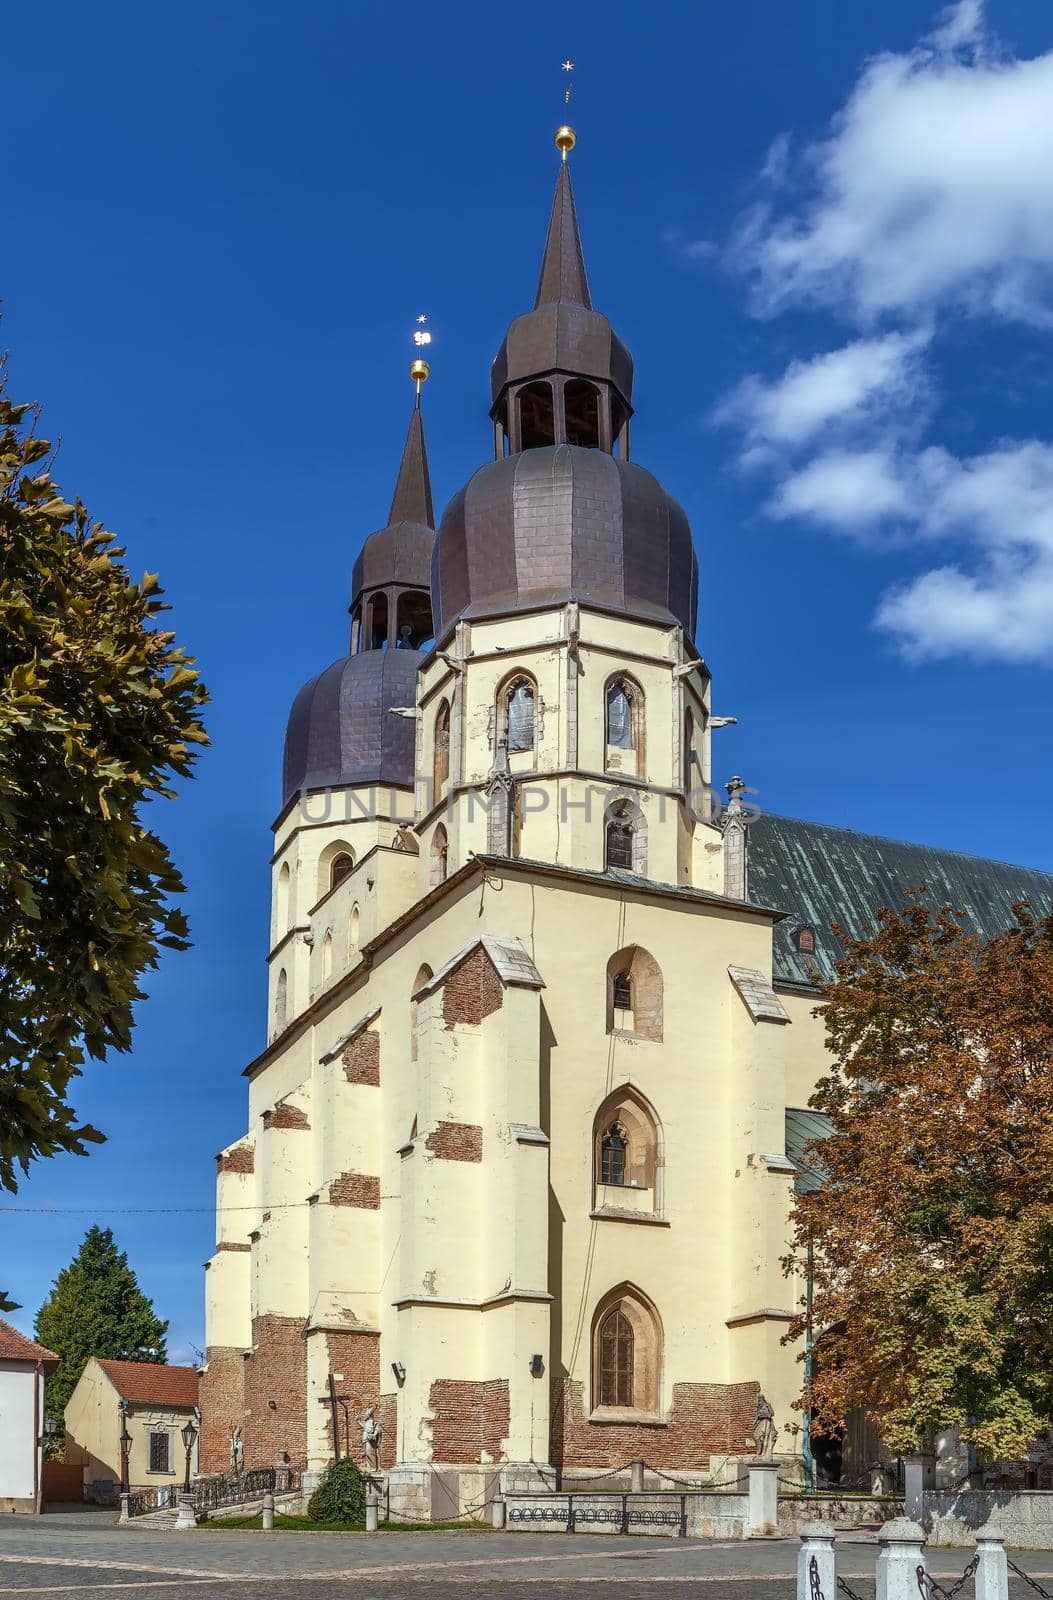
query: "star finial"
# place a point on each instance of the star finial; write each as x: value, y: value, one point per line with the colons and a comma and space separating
x: 420, y: 369
x: 566, y: 138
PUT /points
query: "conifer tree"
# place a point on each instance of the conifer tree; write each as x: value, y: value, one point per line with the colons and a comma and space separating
x: 96, y: 1308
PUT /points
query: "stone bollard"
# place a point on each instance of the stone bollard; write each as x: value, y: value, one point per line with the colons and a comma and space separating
x: 636, y: 1469
x: 817, y: 1544
x: 125, y: 1515
x: 268, y: 1511
x: 992, y: 1572
x: 919, y: 1476
x: 764, y: 1499
x: 497, y: 1511
x: 187, y: 1516
x: 900, y: 1558
x: 372, y: 1511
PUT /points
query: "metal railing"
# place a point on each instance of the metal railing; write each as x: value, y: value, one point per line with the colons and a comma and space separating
x: 620, y: 1518
x: 209, y: 1494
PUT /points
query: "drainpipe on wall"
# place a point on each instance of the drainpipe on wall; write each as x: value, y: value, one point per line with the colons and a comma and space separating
x: 806, y: 1444
x: 38, y: 1433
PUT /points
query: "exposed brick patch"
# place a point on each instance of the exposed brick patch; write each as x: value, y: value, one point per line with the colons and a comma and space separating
x: 283, y: 1115
x: 229, y: 1244
x: 276, y: 1370
x: 473, y: 991
x: 355, y: 1189
x: 221, y: 1396
x: 705, y: 1419
x: 357, y: 1356
x: 469, y: 1419
x: 361, y: 1059
x: 240, y: 1159
x: 388, y: 1417
x: 456, y: 1141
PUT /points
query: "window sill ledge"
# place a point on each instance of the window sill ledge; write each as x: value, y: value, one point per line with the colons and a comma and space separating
x: 624, y: 1414
x: 616, y: 1214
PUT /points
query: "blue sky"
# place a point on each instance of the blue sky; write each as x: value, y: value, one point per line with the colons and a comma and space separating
x: 824, y: 231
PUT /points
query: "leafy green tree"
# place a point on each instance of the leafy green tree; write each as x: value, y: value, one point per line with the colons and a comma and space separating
x: 932, y: 1230
x: 96, y: 1308
x: 98, y: 711
x: 341, y: 1495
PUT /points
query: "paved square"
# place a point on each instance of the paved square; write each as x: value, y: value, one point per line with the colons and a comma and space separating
x: 86, y: 1554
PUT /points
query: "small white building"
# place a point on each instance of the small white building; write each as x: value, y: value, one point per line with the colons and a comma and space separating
x: 23, y: 1367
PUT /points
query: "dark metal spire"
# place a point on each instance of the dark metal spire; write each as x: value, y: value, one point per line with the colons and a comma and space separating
x: 412, y: 499
x: 563, y: 275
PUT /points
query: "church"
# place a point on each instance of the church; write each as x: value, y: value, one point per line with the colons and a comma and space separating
x: 522, y: 1143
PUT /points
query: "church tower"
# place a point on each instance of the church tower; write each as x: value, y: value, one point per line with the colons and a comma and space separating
x: 515, y: 1143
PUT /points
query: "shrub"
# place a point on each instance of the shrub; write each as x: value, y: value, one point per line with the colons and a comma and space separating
x: 340, y: 1497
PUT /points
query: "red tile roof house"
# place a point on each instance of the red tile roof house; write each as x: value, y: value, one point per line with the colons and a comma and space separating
x: 23, y: 1367
x: 156, y: 1401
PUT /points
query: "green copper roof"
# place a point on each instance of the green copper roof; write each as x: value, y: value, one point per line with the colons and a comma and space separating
x: 804, y: 1128
x: 821, y: 875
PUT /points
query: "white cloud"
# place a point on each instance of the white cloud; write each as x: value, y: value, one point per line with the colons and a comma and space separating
x: 932, y: 187
x: 929, y: 197
x: 842, y: 388
x: 1000, y: 503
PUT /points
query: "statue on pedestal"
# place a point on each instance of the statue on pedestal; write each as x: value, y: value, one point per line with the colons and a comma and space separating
x: 237, y: 1452
x: 765, y: 1432
x: 372, y: 1433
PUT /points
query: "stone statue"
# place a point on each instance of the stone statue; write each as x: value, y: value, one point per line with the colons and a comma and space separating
x: 372, y: 1433
x: 237, y: 1452
x: 764, y: 1431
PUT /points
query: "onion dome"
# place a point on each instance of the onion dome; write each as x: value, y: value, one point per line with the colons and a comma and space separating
x: 559, y: 516
x: 390, y: 602
x: 342, y: 729
x: 563, y: 333
x: 564, y: 523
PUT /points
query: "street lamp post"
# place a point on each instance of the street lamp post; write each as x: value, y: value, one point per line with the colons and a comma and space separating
x: 187, y: 1517
x: 125, y: 1441
x: 189, y: 1434
x: 126, y: 1445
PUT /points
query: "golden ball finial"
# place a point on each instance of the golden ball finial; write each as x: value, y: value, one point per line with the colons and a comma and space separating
x: 566, y: 139
x: 419, y: 370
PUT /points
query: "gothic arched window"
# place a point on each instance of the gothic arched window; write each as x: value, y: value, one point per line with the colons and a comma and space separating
x: 634, y: 993
x: 441, y: 751
x: 619, y: 844
x: 419, y: 981
x: 624, y: 723
x: 616, y: 1359
x: 340, y: 868
x: 519, y: 701
x: 284, y: 898
x: 627, y: 1352
x: 624, y: 838
x: 613, y: 1148
x: 281, y: 1002
x: 439, y: 856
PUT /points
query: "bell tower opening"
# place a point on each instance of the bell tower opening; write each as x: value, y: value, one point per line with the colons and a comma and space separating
x: 581, y: 404
x: 537, y: 416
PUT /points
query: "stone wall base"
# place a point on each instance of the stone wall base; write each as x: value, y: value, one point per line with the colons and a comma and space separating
x: 458, y: 1491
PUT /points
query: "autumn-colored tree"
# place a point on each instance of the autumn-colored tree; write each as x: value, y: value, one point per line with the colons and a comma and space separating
x: 98, y: 711
x: 932, y: 1231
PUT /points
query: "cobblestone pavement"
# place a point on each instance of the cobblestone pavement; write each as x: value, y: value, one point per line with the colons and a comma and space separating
x: 86, y: 1555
